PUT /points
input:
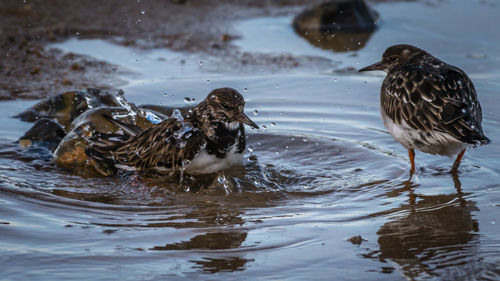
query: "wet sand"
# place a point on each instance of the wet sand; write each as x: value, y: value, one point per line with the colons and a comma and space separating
x: 28, y: 70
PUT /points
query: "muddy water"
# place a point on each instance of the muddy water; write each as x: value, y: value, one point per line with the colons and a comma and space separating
x: 321, y: 170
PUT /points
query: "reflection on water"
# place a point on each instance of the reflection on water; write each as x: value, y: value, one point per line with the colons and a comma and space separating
x: 340, y: 26
x: 429, y: 233
x: 208, y: 241
x: 212, y: 265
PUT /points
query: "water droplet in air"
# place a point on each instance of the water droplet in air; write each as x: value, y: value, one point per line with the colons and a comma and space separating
x: 143, y: 12
x: 251, y: 149
x: 255, y: 112
x: 245, y: 90
x: 188, y: 100
x: 273, y: 124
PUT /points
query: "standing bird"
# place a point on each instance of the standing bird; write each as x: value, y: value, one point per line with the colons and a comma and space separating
x: 209, y: 139
x: 427, y: 104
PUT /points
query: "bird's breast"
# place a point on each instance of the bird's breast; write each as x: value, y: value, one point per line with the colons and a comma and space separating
x: 206, y: 162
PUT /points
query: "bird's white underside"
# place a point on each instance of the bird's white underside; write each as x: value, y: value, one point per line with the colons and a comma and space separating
x: 205, y: 163
x: 434, y: 143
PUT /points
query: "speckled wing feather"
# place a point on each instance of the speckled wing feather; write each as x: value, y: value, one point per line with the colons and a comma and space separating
x: 168, y: 145
x: 434, y: 99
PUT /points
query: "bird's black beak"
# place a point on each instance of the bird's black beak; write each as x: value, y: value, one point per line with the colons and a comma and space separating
x: 246, y: 120
x: 376, y: 66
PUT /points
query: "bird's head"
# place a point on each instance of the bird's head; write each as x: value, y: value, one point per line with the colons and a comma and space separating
x: 224, y: 105
x: 395, y: 56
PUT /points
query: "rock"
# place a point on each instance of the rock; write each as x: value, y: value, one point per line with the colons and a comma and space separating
x: 356, y: 240
x: 71, y: 151
x: 65, y: 107
x: 45, y: 132
x: 339, y: 25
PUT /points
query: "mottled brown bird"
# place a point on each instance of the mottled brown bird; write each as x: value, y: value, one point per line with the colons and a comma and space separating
x: 208, y: 139
x: 427, y: 104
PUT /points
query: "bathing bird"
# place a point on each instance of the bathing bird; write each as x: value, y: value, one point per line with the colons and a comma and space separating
x: 211, y: 137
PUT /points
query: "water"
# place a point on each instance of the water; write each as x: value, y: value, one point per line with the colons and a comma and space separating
x: 325, y: 172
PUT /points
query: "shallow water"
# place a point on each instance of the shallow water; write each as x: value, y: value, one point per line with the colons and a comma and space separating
x: 323, y: 169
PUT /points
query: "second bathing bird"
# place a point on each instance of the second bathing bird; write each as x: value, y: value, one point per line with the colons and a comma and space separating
x: 209, y: 139
x: 427, y: 104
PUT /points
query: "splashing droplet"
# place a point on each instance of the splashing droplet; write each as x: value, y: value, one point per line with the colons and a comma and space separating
x: 255, y: 112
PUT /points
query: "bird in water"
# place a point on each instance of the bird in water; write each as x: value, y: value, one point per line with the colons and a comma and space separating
x: 208, y: 139
x: 428, y: 105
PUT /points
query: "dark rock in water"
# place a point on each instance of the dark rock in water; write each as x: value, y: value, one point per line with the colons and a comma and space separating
x: 356, y: 240
x: 67, y: 106
x: 81, y: 115
x: 339, y: 25
x: 45, y: 132
x: 71, y: 151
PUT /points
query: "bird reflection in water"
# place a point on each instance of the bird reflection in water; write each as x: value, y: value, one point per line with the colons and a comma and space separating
x: 430, y: 234
x: 214, y: 246
x: 225, y: 261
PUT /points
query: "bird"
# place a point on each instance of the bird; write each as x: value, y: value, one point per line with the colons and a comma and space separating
x: 428, y: 105
x: 209, y: 138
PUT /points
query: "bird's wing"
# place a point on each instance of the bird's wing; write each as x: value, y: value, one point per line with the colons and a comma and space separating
x: 429, y: 100
x: 171, y: 144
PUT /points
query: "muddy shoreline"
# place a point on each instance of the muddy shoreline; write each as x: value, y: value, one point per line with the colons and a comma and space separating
x: 29, y: 71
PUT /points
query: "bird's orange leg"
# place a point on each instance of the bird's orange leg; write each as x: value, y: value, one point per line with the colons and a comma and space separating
x: 411, y: 154
x: 454, y: 169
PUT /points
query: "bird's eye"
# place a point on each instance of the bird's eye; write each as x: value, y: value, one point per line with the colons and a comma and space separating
x: 393, y: 58
x: 226, y: 106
